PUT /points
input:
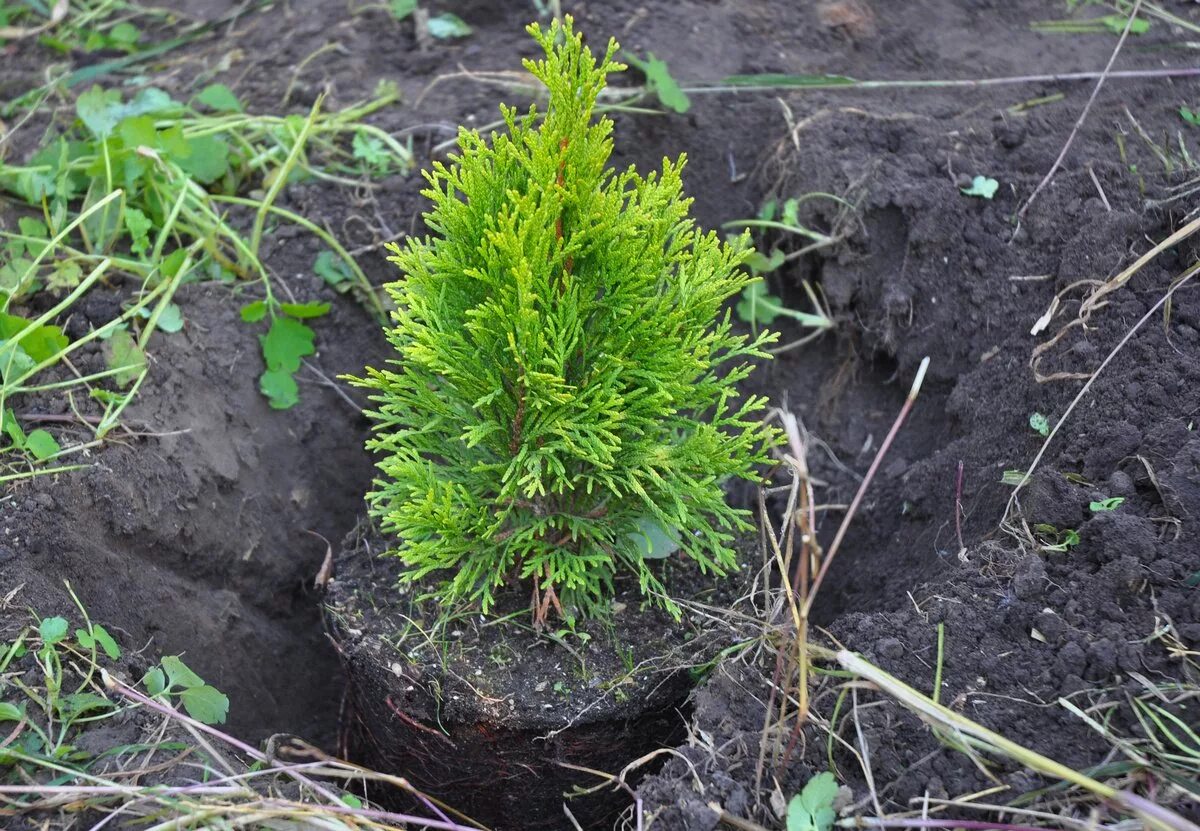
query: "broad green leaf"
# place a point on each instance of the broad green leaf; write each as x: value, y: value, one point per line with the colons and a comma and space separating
x: 106, y: 641
x: 41, y: 445
x: 653, y: 541
x: 139, y: 226
x: 370, y: 150
x: 254, y: 312
x: 331, y: 269
x: 982, y: 186
x: 101, y: 110
x: 171, y: 318
x: 179, y: 674
x: 286, y: 343
x: 660, y: 82
x: 97, y: 109
x: 401, y: 9
x: 34, y: 227
x: 205, y: 704
x: 447, y: 25
x: 66, y: 275
x: 812, y: 808
x: 304, y: 310
x: 74, y: 705
x: 1109, y: 504
x: 1040, y: 424
x: 208, y: 160
x: 125, y: 355
x: 351, y: 800
x: 10, y: 426
x: 124, y: 34
x: 1115, y: 23
x: 173, y: 262
x: 41, y: 343
x: 14, y: 361
x: 11, y: 712
x: 52, y: 630
x: 155, y: 681
x: 220, y: 98
x: 280, y: 388
x: 761, y: 264
x: 1190, y: 116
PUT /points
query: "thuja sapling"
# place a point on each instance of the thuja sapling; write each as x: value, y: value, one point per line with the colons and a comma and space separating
x: 564, y: 379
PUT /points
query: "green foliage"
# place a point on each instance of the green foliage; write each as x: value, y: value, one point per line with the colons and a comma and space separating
x: 564, y: 374
x: 1056, y: 540
x: 1039, y: 424
x: 812, y: 808
x: 984, y: 187
x: 447, y: 26
x: 660, y: 81
x: 142, y: 185
x: 759, y: 307
x: 174, y: 678
x: 1103, y: 505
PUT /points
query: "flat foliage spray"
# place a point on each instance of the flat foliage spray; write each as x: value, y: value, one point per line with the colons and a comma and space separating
x: 561, y: 407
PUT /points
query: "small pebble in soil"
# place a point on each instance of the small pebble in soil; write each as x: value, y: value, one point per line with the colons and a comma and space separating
x: 889, y: 648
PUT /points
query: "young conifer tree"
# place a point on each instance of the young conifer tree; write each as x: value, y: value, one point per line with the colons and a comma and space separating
x: 563, y: 387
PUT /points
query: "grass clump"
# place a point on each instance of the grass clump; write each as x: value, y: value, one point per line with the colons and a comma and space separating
x: 151, y: 193
x: 562, y: 405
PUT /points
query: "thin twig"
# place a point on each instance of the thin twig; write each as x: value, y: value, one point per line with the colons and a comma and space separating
x: 866, y: 483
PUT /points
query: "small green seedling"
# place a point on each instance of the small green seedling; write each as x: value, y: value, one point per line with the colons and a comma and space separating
x: 1039, y: 424
x: 983, y: 187
x: 660, y: 82
x: 1190, y: 117
x: 173, y: 678
x: 1109, y: 504
x: 758, y: 307
x: 1056, y: 540
x: 287, y: 342
x: 39, y: 444
x: 447, y: 26
x: 812, y: 808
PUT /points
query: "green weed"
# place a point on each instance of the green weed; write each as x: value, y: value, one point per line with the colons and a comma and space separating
x: 812, y: 808
x: 757, y: 306
x: 141, y: 191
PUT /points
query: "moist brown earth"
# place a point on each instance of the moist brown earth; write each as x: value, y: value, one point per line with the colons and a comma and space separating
x: 196, y: 541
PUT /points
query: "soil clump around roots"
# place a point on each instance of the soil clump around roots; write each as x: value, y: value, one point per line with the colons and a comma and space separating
x: 500, y: 719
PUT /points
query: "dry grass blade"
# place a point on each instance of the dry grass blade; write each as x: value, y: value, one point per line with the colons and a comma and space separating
x: 1153, y: 816
x: 57, y: 14
x: 1096, y: 301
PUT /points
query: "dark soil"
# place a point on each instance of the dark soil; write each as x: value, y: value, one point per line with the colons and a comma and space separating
x: 198, y: 541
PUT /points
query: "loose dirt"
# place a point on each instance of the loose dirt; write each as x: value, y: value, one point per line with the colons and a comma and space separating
x: 196, y: 540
